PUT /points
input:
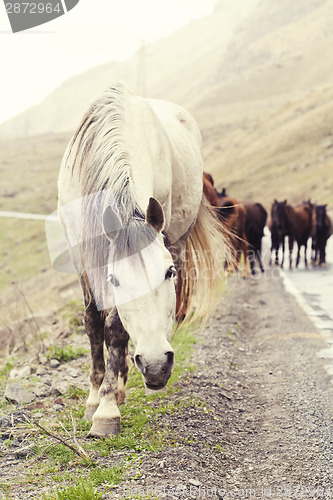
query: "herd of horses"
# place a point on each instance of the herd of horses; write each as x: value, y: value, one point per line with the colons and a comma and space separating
x: 246, y: 221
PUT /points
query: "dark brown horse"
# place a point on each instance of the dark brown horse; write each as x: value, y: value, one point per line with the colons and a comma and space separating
x: 294, y: 222
x: 256, y: 217
x: 321, y: 231
x: 232, y: 214
x: 279, y: 227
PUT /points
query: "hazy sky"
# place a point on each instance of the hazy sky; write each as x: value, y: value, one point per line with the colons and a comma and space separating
x: 36, y: 61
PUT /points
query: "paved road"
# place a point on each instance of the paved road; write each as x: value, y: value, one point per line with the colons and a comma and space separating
x: 313, y: 289
x: 314, y: 285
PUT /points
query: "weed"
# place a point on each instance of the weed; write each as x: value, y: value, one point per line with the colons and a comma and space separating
x: 6, y: 491
x: 6, y: 369
x: 82, y: 490
x: 66, y: 353
x: 218, y: 448
x: 72, y: 315
x: 76, y: 393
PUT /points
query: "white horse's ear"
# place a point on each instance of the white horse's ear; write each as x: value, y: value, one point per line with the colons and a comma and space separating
x: 111, y: 223
x: 155, y: 215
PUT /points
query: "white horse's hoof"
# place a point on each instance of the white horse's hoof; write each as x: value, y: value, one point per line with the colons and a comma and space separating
x: 104, y: 427
x: 90, y: 410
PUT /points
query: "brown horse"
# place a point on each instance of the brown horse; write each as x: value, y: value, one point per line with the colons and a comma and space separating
x: 302, y: 228
x: 256, y: 217
x: 181, y: 297
x: 279, y: 228
x: 209, y: 190
x: 294, y: 222
x: 232, y: 214
x: 321, y: 231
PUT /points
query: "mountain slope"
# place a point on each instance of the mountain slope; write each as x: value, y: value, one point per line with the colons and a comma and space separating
x: 171, y: 67
x: 287, y: 154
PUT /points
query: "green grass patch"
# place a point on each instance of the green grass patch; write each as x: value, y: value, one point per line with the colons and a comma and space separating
x: 4, y: 373
x: 80, y: 491
x: 65, y: 353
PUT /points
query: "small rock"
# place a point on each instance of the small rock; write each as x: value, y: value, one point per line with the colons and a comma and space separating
x: 54, y: 363
x: 39, y: 414
x: 47, y: 381
x: 41, y: 371
x: 59, y: 401
x: 59, y: 388
x: 43, y: 359
x: 58, y: 407
x: 195, y: 482
x: 42, y: 390
x: 20, y: 373
x: 37, y: 405
x: 5, y: 421
x: 23, y: 452
x: 73, y: 372
x: 16, y: 394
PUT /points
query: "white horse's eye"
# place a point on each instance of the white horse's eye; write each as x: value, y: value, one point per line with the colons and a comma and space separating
x: 113, y: 280
x: 171, y: 273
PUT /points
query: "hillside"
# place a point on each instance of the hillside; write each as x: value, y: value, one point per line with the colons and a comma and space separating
x: 287, y: 154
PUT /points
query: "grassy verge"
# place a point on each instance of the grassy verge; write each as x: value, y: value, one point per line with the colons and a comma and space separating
x: 102, y: 463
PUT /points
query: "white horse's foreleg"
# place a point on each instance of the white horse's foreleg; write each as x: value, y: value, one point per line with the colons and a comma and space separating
x: 94, y: 325
x: 106, y: 419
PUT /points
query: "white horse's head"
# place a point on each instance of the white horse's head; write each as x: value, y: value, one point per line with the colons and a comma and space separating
x: 142, y: 273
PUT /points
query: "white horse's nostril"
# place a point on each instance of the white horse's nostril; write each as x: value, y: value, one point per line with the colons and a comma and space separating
x: 169, y: 362
x: 139, y: 364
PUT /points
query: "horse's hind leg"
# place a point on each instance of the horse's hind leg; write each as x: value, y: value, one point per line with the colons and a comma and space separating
x: 245, y: 250
x: 94, y: 325
x: 291, y: 245
x: 252, y: 260
x: 322, y: 254
x: 298, y: 254
x: 106, y: 419
x: 283, y: 249
x: 305, y: 254
x: 260, y: 260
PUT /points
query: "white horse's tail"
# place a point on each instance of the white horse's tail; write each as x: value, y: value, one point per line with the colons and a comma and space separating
x: 206, y: 249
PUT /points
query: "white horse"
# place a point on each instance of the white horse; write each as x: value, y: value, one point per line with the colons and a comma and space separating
x: 134, y: 169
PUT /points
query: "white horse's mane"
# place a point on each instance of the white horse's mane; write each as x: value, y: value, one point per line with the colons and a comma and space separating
x: 98, y: 158
x: 98, y: 153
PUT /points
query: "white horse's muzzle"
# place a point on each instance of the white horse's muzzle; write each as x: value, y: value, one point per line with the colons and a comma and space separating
x: 156, y: 370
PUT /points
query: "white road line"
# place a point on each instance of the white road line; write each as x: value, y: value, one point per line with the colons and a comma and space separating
x: 22, y: 215
x: 313, y: 314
